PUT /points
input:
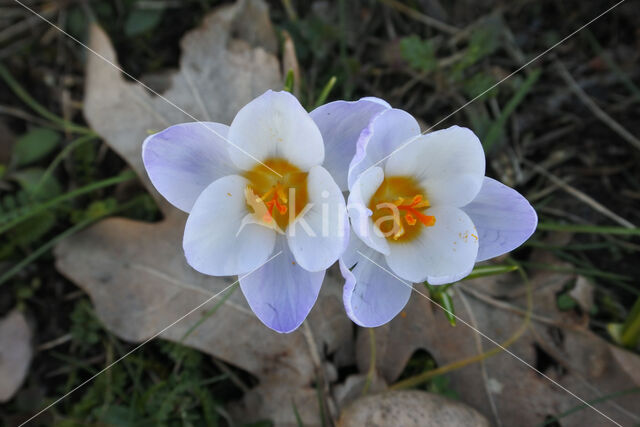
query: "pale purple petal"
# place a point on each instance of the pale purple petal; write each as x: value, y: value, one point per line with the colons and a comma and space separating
x: 371, y: 295
x: 320, y: 234
x: 216, y: 242
x: 387, y: 132
x: 449, y: 164
x: 504, y: 219
x: 442, y: 253
x: 184, y: 159
x: 380, y: 101
x: 275, y: 125
x: 281, y: 293
x: 340, y: 123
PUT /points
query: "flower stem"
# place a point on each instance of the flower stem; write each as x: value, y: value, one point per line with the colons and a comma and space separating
x: 372, y: 361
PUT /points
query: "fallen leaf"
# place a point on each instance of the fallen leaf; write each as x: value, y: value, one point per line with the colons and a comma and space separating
x: 225, y: 63
x: 556, y: 343
x: 582, y: 292
x: 15, y: 353
x: 136, y: 273
x: 410, y: 409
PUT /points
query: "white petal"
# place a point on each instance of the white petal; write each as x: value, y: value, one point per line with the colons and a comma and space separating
x: 320, y: 234
x: 351, y: 255
x: 340, y: 123
x: 275, y: 125
x: 449, y: 164
x: 360, y: 214
x: 216, y: 240
x: 371, y: 295
x: 440, y: 253
x: 184, y: 159
x: 504, y: 219
x: 281, y: 293
x: 386, y: 133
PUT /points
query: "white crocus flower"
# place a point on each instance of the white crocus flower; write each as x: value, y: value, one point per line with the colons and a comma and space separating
x: 422, y: 210
x: 253, y: 190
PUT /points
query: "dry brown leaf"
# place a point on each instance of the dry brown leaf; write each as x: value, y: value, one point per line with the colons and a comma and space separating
x: 15, y: 353
x: 135, y: 272
x: 572, y: 355
x: 410, y: 409
x: 224, y: 64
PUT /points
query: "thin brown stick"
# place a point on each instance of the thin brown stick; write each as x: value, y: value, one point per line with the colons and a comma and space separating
x: 581, y: 196
x: 595, y: 109
x: 421, y: 17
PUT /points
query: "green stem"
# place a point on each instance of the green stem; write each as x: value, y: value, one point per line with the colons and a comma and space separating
x: 61, y: 155
x: 37, y: 107
x: 125, y: 176
x: 372, y: 361
x: 592, y: 229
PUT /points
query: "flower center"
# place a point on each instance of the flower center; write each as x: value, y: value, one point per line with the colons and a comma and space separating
x: 276, y: 201
x: 398, y: 206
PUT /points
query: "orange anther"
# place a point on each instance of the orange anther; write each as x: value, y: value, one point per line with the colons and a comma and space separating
x: 410, y: 219
x: 427, y: 220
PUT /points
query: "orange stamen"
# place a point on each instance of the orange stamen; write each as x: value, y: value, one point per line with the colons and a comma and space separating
x: 413, y: 213
x: 410, y: 219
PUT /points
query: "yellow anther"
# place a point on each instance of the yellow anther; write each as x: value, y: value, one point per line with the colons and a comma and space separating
x: 281, y: 193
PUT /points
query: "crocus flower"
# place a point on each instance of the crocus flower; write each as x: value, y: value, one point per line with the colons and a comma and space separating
x: 424, y: 211
x: 260, y: 204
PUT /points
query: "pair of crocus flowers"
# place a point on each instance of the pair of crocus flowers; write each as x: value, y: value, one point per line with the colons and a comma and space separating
x: 265, y: 202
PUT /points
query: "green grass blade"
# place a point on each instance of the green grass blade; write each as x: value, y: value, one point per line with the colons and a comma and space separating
x: 497, y: 126
x: 555, y: 419
x: 210, y: 313
x: 590, y: 229
x: 326, y: 91
x: 60, y: 157
x: 490, y: 270
x: 36, y: 106
x: 51, y: 243
x: 125, y: 176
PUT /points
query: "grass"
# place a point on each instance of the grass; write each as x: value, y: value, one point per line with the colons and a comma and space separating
x: 428, y: 62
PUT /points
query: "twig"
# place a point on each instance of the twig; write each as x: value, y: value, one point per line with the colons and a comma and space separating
x: 232, y: 375
x: 507, y: 306
x: 54, y: 343
x: 323, y: 385
x: 421, y: 17
x: 581, y: 196
x: 26, y: 24
x: 597, y: 111
x: 483, y: 366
